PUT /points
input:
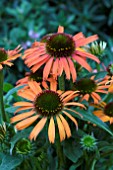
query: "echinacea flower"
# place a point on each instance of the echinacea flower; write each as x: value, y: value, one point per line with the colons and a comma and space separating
x: 88, y: 87
x: 45, y: 105
x: 59, y: 52
x: 30, y: 76
x: 7, y: 56
x: 104, y: 112
x: 88, y: 142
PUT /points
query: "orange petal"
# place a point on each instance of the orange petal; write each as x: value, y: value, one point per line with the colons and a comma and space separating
x: 35, y: 87
x: 1, y: 67
x: 53, y: 84
x: 88, y: 55
x: 85, y: 41
x: 61, y: 129
x: 51, y: 130
x: 111, y: 89
x: 47, y: 68
x: 23, y: 104
x: 72, y: 69
x: 38, y: 65
x: 72, y: 118
x: 60, y: 69
x: 23, y: 108
x: 82, y: 62
x: 60, y: 29
x: 37, y: 60
x: 66, y: 67
x: 102, y: 91
x: 74, y: 104
x: 66, y: 126
x: 22, y: 116
x: 98, y: 113
x: 26, y: 96
x: 38, y: 128
x: 25, y: 123
x: 78, y: 36
x: 55, y: 67
x: 73, y: 111
x: 85, y: 97
x: 111, y: 120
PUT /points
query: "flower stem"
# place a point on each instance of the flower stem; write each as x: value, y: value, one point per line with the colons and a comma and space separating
x: 2, y: 111
x: 61, y: 82
x: 60, y: 155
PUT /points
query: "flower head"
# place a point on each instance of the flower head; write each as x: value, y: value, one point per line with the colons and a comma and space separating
x: 97, y: 48
x: 88, y: 142
x: 59, y: 52
x: 7, y: 56
x: 105, y: 111
x: 23, y: 146
x: 30, y: 76
x: 88, y: 87
x: 45, y: 105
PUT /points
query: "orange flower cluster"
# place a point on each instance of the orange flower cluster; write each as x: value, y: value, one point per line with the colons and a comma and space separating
x: 56, y: 54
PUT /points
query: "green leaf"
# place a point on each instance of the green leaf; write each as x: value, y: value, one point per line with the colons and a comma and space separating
x: 12, y: 91
x: 72, y: 150
x: 9, y: 162
x: 7, y: 87
x: 88, y: 116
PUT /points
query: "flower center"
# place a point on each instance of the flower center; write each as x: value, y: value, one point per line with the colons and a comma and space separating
x: 37, y: 76
x: 48, y: 103
x: 85, y: 86
x: 60, y: 45
x: 3, y: 55
x: 108, y: 110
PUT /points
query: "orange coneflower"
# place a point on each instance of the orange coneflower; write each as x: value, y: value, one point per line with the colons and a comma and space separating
x: 58, y: 53
x: 30, y: 76
x: 105, y: 112
x: 7, y: 56
x: 49, y: 104
x: 88, y: 87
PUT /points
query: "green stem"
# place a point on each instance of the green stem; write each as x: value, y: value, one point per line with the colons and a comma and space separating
x: 61, y: 82
x: 2, y: 111
x: 93, y: 164
x: 60, y: 155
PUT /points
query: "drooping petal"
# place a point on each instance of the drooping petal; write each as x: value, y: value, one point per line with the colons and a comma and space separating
x: 38, y: 128
x: 60, y: 69
x: 88, y: 55
x: 66, y: 67
x: 66, y: 126
x: 82, y: 62
x: 72, y: 69
x: 72, y: 118
x: 61, y: 129
x: 47, y: 68
x: 38, y: 65
x: 51, y: 130
x: 55, y: 67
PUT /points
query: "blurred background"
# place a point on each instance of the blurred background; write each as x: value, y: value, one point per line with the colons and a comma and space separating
x: 24, y: 21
